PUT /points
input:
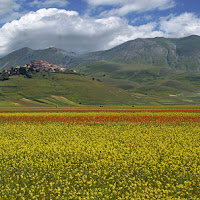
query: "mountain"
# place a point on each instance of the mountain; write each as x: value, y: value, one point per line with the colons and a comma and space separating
x: 157, y: 70
x: 180, y: 54
x: 26, y: 55
x: 154, y: 70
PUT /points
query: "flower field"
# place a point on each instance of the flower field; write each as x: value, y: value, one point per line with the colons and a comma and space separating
x: 100, y: 154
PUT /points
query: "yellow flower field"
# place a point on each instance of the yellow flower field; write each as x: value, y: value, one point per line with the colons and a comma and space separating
x: 99, y: 159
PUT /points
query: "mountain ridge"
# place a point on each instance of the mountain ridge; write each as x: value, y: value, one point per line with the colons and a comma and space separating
x: 182, y: 54
x: 155, y: 52
x: 155, y: 70
x: 26, y: 55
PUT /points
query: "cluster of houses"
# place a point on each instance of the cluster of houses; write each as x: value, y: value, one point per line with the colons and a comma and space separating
x: 39, y: 66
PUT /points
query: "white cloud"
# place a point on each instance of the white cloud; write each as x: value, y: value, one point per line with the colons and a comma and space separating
x: 8, y: 6
x: 180, y: 26
x: 12, y: 16
x: 123, y: 7
x: 72, y: 32
x: 140, y: 18
x: 67, y: 30
x: 49, y: 3
x: 105, y: 2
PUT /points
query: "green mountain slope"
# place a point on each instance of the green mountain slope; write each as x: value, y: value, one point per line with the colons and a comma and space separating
x: 139, y: 51
x: 179, y: 54
x: 152, y: 71
x: 61, y: 89
x: 149, y: 84
x: 26, y: 55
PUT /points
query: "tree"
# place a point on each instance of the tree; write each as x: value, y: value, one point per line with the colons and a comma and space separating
x: 22, y: 71
x: 4, y: 77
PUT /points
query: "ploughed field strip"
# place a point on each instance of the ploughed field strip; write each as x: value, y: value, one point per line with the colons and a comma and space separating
x: 100, y: 154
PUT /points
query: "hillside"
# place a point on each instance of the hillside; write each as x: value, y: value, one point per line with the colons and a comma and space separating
x: 26, y: 55
x: 178, y: 54
x: 149, y: 84
x: 60, y: 89
x: 153, y: 71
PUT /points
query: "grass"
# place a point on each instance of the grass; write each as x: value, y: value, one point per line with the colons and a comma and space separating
x: 126, y: 87
x: 156, y: 83
x: 62, y: 89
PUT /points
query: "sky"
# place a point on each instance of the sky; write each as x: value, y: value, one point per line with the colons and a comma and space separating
x: 84, y: 26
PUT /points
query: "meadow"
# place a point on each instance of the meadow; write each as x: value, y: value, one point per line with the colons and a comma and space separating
x: 100, y: 153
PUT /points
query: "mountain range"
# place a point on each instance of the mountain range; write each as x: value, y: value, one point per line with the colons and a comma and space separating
x: 181, y: 54
x: 155, y: 70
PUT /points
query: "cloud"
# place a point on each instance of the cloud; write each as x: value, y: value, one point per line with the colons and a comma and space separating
x: 9, y: 10
x: 180, y: 26
x: 70, y: 31
x: 123, y: 7
x: 12, y: 16
x: 142, y: 18
x: 8, y: 6
x: 49, y: 3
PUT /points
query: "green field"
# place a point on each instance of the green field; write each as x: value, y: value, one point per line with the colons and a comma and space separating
x: 51, y: 89
x: 149, y: 85
x: 54, y: 89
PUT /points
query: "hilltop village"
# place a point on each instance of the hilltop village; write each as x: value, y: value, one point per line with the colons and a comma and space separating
x: 33, y: 67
